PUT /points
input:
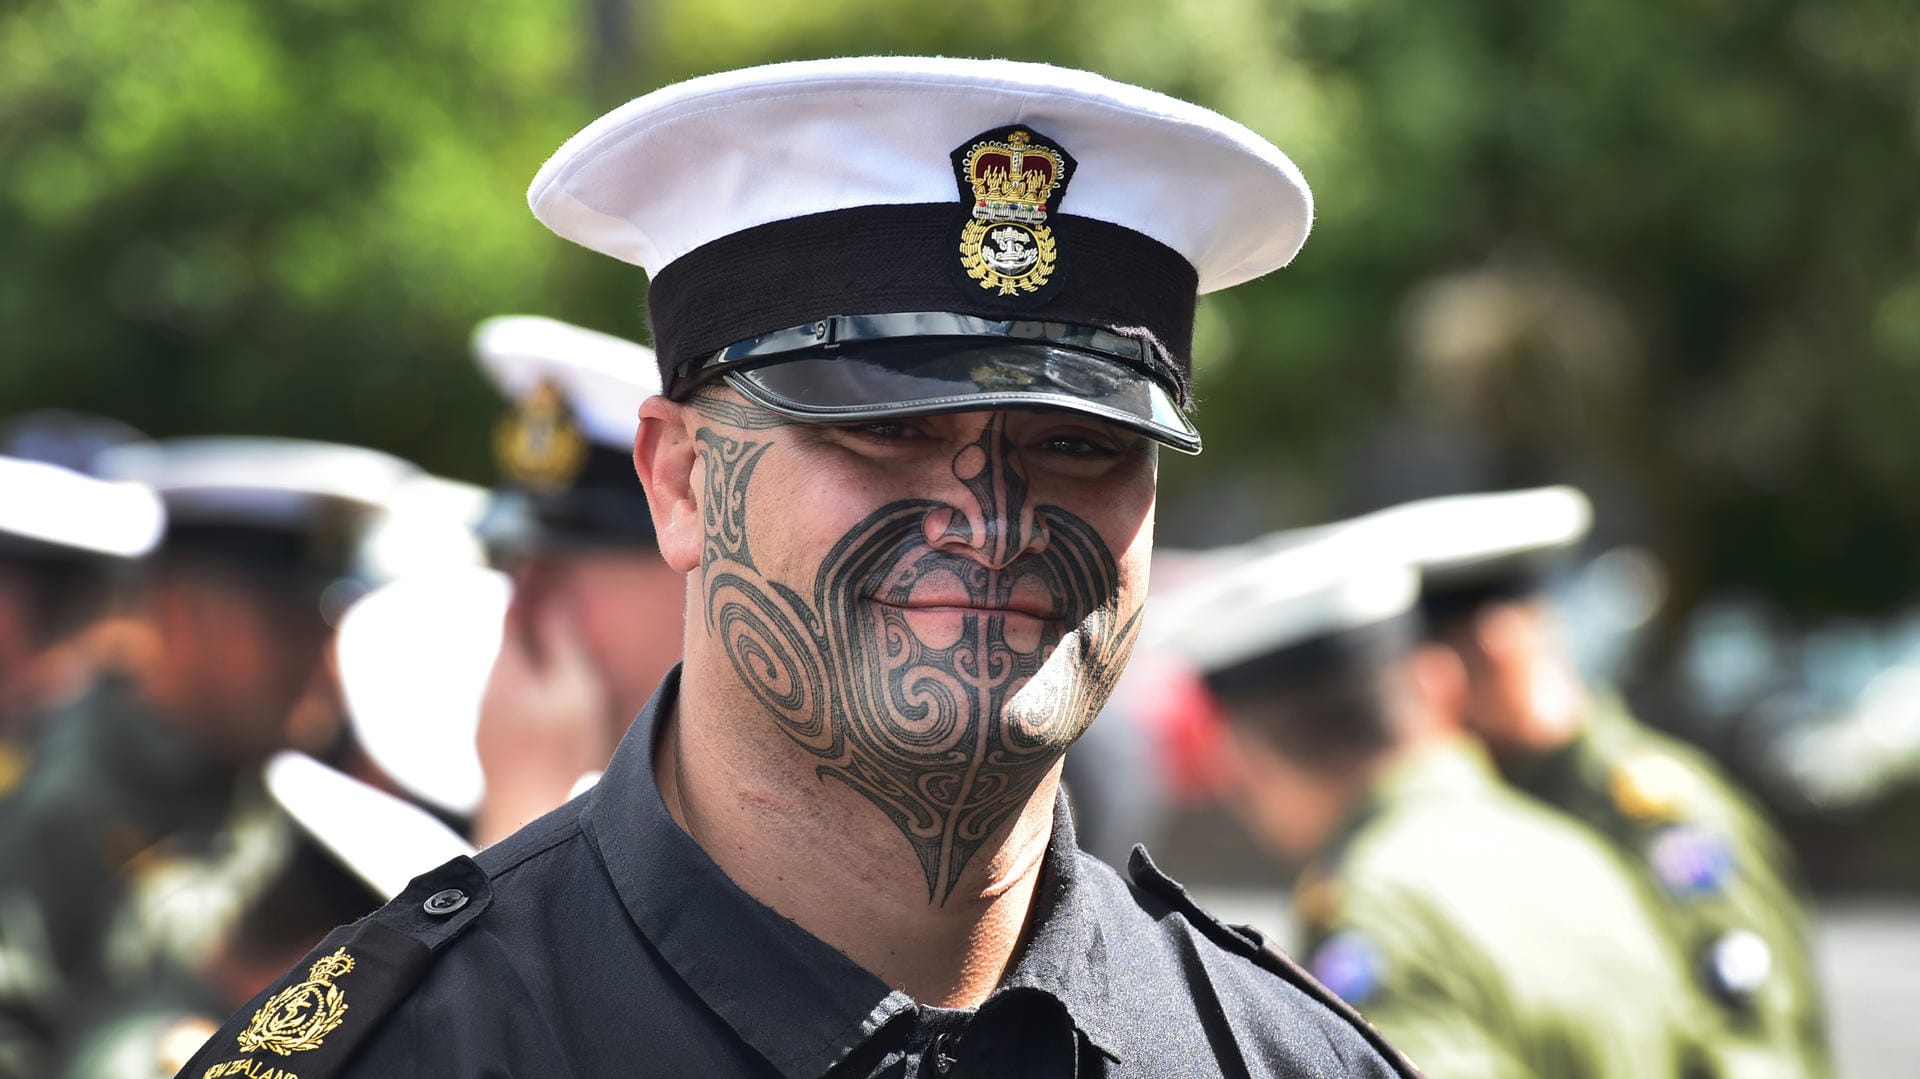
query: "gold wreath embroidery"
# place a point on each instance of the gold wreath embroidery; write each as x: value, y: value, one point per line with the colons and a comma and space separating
x: 973, y: 238
x: 298, y: 1017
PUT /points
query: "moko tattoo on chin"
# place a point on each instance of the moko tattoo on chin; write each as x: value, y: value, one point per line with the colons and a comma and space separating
x: 949, y: 723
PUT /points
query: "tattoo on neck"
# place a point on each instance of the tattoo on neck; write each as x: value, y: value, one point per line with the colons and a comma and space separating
x: 948, y: 737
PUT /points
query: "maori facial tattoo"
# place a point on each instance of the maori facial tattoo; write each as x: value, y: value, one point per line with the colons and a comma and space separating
x: 947, y: 723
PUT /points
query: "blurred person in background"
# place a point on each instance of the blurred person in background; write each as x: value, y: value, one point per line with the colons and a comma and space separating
x: 65, y: 547
x: 1723, y: 880
x: 360, y: 824
x: 354, y: 847
x: 63, y: 537
x: 1487, y: 937
x: 143, y: 831
x: 597, y: 615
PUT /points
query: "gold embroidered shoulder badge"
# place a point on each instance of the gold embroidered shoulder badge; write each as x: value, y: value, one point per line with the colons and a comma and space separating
x: 298, y: 1017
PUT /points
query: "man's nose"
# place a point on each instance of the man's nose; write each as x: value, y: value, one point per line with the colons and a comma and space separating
x: 987, y: 510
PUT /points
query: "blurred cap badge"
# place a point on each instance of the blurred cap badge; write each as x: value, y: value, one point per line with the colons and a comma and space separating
x: 297, y: 1018
x: 538, y: 444
x: 1013, y: 177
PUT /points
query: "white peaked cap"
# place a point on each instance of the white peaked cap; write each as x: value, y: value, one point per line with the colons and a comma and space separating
x: 699, y: 160
x: 1441, y: 535
x: 415, y: 656
x: 256, y: 481
x: 1282, y: 595
x: 383, y: 840
x: 602, y: 378
x: 61, y: 508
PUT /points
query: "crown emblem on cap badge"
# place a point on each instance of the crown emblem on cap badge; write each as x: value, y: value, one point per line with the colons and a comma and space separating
x: 1013, y: 178
x: 538, y: 444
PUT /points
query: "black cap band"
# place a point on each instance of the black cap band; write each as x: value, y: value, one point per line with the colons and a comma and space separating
x: 873, y: 260
x: 602, y: 506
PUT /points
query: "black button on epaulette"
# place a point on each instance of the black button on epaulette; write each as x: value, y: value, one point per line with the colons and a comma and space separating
x: 440, y: 903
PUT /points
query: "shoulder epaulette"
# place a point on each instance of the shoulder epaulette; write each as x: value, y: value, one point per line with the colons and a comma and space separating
x: 308, y: 1024
x: 1249, y: 943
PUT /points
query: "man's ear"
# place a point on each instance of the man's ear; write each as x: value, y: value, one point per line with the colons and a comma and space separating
x: 664, y: 456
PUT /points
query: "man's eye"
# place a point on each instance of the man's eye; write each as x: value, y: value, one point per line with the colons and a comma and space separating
x: 1077, y: 446
x: 881, y: 431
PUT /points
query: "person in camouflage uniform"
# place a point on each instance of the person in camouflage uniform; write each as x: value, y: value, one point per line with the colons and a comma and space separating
x: 1722, y: 879
x: 1485, y: 936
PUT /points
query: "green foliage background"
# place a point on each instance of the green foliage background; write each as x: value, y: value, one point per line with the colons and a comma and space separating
x: 1667, y: 242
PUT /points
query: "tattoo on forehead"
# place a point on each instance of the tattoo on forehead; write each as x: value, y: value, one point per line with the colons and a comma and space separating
x: 745, y: 415
x: 930, y: 732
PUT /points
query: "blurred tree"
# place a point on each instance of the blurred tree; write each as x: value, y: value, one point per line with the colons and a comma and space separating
x: 1670, y: 241
x: 276, y: 218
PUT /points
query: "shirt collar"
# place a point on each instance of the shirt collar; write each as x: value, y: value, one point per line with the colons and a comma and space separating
x: 796, y: 1000
x: 1066, y: 952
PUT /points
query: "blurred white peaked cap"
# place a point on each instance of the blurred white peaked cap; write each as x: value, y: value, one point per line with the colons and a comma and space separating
x: 1284, y: 594
x: 1459, y: 532
x: 699, y: 160
x: 415, y: 656
x: 383, y: 840
x: 47, y: 504
x: 602, y: 378
x: 256, y: 481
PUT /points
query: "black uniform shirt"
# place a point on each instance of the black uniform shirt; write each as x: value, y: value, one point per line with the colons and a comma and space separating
x: 611, y: 945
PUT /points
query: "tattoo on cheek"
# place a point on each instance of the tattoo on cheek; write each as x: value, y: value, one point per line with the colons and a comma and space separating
x: 949, y: 725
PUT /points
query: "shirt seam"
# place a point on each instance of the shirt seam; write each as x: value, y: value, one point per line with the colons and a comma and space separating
x: 566, y: 833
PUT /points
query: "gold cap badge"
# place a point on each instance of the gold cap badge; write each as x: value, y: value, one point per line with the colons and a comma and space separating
x: 538, y: 444
x: 1012, y: 178
x: 298, y: 1017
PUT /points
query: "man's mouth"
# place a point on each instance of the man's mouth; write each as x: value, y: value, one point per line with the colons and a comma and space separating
x: 938, y: 606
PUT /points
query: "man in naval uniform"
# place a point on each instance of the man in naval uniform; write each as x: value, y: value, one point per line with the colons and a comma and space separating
x: 1723, y: 879
x: 908, y: 467
x: 1488, y: 937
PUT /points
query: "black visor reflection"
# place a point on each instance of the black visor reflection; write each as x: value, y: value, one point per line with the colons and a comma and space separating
x: 922, y: 376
